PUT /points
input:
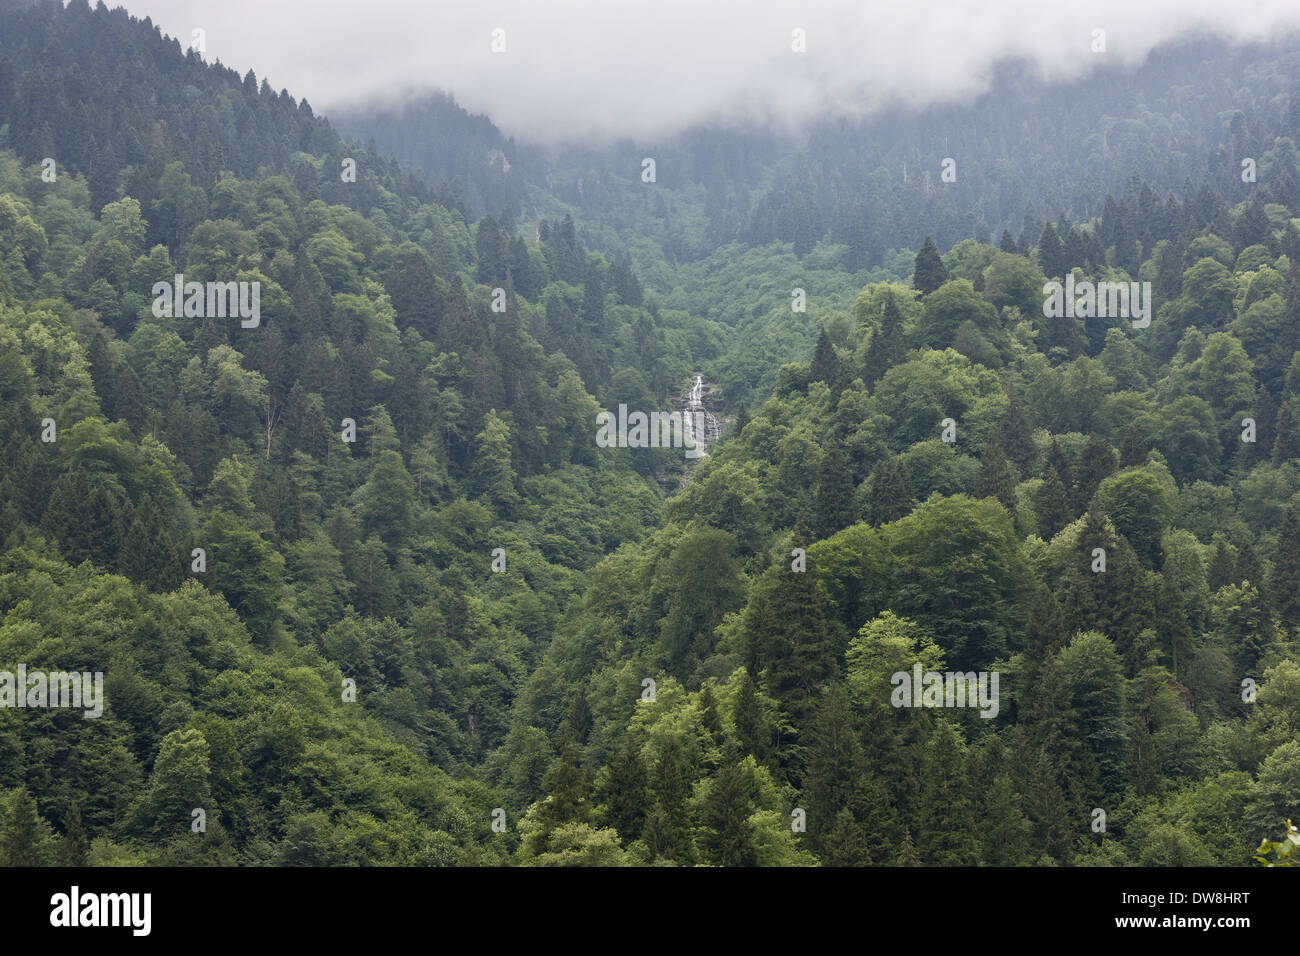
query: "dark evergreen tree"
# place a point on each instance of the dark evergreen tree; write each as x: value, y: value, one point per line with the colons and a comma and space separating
x: 994, y: 479
x: 1017, y: 438
x: 886, y: 348
x: 667, y: 827
x: 1096, y: 462
x: 825, y: 363
x: 890, y: 495
x: 1051, y: 254
x: 930, y: 272
x: 1052, y: 508
x: 1223, y: 565
x: 727, y: 836
x: 946, y: 825
x: 1284, y: 580
x: 625, y: 790
x: 834, y: 504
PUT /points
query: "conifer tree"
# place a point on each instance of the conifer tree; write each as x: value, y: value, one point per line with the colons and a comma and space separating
x: 1222, y: 567
x: 1249, y: 569
x: 890, y: 494
x: 930, y: 272
x: 742, y: 419
x: 748, y: 717
x: 709, y: 718
x: 836, y: 770
x: 1046, y: 765
x: 1265, y: 414
x: 569, y: 787
x: 1116, y: 601
x: 727, y: 836
x: 825, y: 363
x: 1096, y: 463
x: 667, y: 827
x: 794, y: 643
x: 834, y: 504
x: 845, y: 844
x: 1051, y: 254
x: 994, y: 478
x: 886, y: 348
x: 1016, y: 438
x: 1284, y: 580
x: 75, y: 844
x: 625, y: 791
x: 1133, y: 447
x: 25, y: 837
x: 907, y: 851
x: 946, y: 834
x: 1052, y: 508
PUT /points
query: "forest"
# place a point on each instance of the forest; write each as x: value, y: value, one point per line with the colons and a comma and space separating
x: 365, y: 589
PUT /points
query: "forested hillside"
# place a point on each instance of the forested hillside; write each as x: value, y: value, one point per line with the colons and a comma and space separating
x: 366, y: 589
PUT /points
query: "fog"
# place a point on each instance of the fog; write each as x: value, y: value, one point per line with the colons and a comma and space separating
x: 597, y: 69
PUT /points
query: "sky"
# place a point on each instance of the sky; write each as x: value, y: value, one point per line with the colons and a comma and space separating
x: 596, y: 70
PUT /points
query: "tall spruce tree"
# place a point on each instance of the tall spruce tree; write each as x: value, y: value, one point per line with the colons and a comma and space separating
x: 1052, y: 508
x: 834, y: 504
x: 994, y: 479
x: 727, y: 836
x: 890, y: 495
x: 1096, y: 463
x: 1284, y: 580
x: 887, y: 347
x: 1051, y: 254
x: 1017, y: 438
x: 825, y: 363
x: 929, y: 272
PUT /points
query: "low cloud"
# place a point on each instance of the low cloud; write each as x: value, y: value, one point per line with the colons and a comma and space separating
x: 596, y: 70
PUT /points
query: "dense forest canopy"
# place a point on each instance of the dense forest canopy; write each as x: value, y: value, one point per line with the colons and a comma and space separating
x: 365, y: 589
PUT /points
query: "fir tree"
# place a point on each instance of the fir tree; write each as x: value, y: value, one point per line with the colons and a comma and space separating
x: 709, y: 718
x: 1052, y: 508
x: 742, y: 419
x: 75, y: 844
x: 887, y: 347
x: 825, y: 363
x: 994, y: 478
x: 834, y: 505
x: 794, y: 643
x: 835, y: 773
x: 946, y: 832
x: 1284, y: 580
x: 569, y: 786
x: 1249, y: 569
x: 1133, y: 447
x: 625, y: 790
x: 907, y: 851
x: 930, y: 272
x: 1222, y: 566
x: 1096, y: 463
x: 667, y: 827
x: 748, y: 719
x: 1051, y: 254
x: 845, y: 843
x: 727, y: 836
x: 1016, y: 438
x: 890, y: 494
